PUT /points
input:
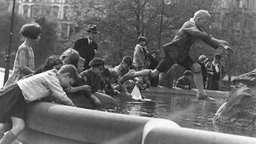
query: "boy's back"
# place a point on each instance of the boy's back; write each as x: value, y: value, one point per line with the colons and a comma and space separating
x: 42, y: 85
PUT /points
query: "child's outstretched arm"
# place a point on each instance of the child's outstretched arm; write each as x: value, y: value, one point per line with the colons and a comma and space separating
x: 78, y: 88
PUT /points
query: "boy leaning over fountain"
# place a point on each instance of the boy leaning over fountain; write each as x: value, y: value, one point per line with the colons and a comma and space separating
x: 92, y: 76
x: 14, y: 98
x: 177, y: 51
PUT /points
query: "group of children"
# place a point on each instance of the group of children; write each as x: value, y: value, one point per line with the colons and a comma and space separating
x: 66, y: 81
x: 212, y: 73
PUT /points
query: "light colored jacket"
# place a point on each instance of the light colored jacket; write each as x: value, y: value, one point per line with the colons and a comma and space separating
x: 43, y: 85
x: 139, y: 57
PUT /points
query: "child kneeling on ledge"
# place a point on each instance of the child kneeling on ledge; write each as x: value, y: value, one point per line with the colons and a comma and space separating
x: 14, y: 98
x: 93, y: 77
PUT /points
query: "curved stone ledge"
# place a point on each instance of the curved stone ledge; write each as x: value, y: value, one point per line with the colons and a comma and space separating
x: 58, y: 124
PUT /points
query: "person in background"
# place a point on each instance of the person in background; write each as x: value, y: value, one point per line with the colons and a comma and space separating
x: 140, y: 58
x: 216, y: 72
x: 92, y: 77
x: 87, y: 47
x: 202, y: 60
x: 140, y: 54
x: 24, y: 62
x: 153, y: 62
x: 177, y: 51
x: 185, y: 81
x: 13, y: 101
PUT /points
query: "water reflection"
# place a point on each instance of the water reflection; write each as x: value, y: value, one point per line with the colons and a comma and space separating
x: 184, y: 110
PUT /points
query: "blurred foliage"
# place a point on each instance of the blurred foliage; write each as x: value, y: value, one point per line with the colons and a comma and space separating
x: 122, y: 21
x: 48, y: 43
x: 5, y: 34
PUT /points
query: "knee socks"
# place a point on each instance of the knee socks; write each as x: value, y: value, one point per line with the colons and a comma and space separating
x: 8, y: 138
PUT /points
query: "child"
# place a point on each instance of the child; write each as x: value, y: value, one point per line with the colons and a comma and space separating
x: 52, y: 62
x: 139, y: 55
x: 105, y: 83
x: 177, y: 51
x: 202, y: 60
x: 13, y: 100
x: 93, y: 77
x: 70, y: 56
x: 124, y: 66
x: 122, y: 69
x: 78, y: 91
x: 184, y: 81
x: 24, y: 62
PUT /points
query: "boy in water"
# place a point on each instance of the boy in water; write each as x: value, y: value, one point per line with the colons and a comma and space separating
x: 14, y: 98
x: 177, y: 51
x: 185, y: 81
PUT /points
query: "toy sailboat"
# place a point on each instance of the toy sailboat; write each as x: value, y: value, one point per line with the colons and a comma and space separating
x: 136, y: 95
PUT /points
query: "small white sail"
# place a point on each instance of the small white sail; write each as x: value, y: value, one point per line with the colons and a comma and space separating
x: 136, y: 95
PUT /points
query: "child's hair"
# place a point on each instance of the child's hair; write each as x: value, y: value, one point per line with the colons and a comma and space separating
x: 200, y: 14
x: 52, y: 61
x: 71, y: 69
x: 187, y: 73
x: 71, y: 56
x: 31, y: 30
x: 217, y: 56
x: 127, y: 60
x: 142, y: 38
x: 96, y: 62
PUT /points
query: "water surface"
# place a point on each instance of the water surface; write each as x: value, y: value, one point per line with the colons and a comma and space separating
x: 186, y: 111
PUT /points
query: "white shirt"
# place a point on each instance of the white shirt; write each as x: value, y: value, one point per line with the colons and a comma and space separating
x: 42, y: 85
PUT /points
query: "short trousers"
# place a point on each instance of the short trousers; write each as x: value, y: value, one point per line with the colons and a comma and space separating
x: 12, y: 104
x: 166, y: 63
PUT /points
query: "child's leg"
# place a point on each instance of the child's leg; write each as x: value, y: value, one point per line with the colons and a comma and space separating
x: 142, y: 73
x: 198, y: 78
x: 18, y: 125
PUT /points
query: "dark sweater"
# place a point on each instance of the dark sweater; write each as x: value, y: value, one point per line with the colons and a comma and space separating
x: 93, y: 79
x: 179, y: 48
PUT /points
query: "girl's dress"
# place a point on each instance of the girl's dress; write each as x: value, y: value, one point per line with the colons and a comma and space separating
x: 24, y: 57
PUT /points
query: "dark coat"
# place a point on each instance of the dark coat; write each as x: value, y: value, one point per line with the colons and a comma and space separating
x: 178, y: 49
x: 92, y: 79
x: 85, y: 50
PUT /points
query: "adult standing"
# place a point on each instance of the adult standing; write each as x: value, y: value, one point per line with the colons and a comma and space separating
x: 87, y: 47
x: 24, y: 62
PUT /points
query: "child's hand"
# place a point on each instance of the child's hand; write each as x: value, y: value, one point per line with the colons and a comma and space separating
x: 86, y: 87
x: 95, y: 100
x: 116, y: 92
x: 102, y: 91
